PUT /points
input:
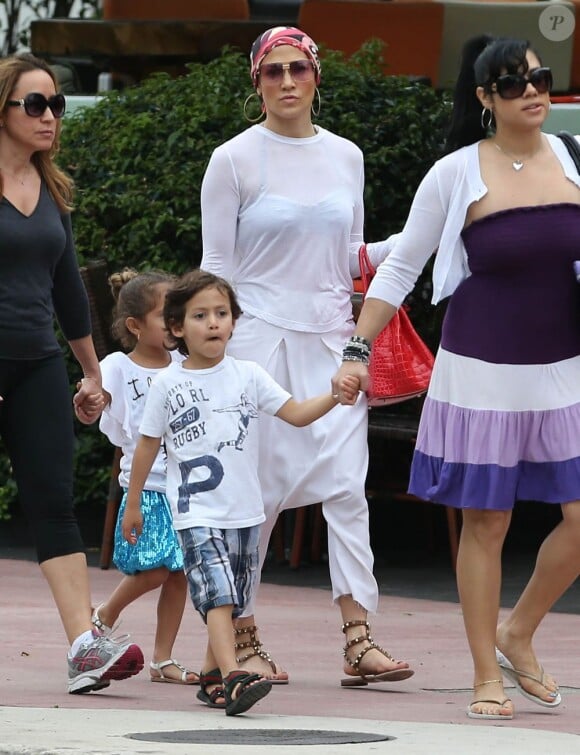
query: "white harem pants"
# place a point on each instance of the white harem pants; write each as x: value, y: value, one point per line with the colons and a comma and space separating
x: 326, y: 461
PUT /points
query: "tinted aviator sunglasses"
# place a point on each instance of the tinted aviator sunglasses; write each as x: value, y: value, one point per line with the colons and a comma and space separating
x: 513, y: 85
x: 300, y: 70
x: 35, y: 104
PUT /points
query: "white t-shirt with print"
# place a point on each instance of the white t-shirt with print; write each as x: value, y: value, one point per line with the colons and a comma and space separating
x: 128, y: 385
x: 209, y: 422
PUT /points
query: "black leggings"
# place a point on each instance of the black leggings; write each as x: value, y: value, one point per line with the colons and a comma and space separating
x: 36, y: 425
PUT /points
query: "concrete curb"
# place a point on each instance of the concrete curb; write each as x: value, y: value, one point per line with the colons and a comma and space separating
x: 28, y: 731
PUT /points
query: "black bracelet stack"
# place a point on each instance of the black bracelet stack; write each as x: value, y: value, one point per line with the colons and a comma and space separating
x: 357, y: 349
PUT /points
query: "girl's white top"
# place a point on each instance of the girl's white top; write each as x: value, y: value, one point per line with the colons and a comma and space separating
x: 128, y: 385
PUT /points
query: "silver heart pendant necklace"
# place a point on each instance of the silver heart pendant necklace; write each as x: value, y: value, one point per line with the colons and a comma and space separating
x: 517, y: 164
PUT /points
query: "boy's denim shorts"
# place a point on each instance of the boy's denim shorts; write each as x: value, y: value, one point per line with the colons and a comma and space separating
x: 221, y: 566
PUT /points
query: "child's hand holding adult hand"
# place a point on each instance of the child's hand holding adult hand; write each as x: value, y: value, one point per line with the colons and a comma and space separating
x: 356, y: 370
x: 348, y: 389
x: 89, y: 401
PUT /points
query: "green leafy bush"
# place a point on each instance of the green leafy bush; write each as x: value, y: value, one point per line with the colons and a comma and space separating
x: 138, y: 159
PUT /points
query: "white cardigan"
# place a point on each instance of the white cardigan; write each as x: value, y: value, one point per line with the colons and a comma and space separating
x: 435, y: 221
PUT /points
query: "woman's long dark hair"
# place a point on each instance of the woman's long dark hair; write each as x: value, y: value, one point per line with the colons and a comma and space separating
x: 483, y: 59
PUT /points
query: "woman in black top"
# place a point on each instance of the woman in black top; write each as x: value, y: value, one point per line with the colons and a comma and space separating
x: 39, y: 278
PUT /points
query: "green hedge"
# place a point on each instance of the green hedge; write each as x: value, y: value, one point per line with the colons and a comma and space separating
x: 138, y: 159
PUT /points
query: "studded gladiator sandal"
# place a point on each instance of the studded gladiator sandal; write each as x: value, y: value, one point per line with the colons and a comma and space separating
x: 255, y: 649
x: 362, y: 679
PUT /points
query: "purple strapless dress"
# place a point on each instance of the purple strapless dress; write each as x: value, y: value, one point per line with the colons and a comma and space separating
x: 501, y: 421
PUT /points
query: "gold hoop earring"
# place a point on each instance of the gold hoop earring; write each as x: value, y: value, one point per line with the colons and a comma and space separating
x: 486, y: 126
x: 245, y: 108
x: 316, y: 112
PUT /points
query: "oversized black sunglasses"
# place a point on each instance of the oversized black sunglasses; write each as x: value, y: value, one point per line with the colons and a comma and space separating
x: 35, y: 104
x: 510, y: 86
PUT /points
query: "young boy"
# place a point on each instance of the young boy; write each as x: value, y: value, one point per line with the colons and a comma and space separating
x: 205, y: 409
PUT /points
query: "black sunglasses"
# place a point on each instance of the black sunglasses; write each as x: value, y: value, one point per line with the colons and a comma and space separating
x: 35, y: 104
x: 513, y: 85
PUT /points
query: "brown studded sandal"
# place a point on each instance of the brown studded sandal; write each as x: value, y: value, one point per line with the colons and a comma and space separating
x: 255, y: 649
x: 359, y: 678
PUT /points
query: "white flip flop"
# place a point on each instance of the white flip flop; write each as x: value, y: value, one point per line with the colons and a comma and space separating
x: 514, y: 675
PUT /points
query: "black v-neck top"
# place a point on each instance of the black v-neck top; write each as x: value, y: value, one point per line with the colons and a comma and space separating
x: 39, y: 278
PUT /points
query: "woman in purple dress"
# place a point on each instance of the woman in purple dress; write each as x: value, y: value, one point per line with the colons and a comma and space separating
x: 501, y: 421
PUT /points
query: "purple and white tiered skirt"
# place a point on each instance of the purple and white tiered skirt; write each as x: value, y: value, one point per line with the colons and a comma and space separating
x: 501, y: 421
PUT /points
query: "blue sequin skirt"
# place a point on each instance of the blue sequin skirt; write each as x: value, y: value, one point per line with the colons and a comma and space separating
x: 157, y: 546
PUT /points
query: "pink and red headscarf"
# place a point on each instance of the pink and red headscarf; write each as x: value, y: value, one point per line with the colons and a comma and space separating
x: 282, y: 35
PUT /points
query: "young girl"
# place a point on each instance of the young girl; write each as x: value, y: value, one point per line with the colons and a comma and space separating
x: 156, y: 559
x: 207, y: 410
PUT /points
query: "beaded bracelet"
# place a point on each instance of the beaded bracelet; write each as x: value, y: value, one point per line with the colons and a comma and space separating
x: 355, y: 358
x: 359, y: 340
x: 356, y: 348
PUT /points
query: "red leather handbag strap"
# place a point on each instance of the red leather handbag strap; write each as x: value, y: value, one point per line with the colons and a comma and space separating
x: 367, y: 271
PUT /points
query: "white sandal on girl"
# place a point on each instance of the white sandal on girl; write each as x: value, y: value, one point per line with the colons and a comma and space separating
x: 160, y: 676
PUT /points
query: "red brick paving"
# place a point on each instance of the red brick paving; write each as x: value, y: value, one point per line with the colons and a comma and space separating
x: 302, y: 631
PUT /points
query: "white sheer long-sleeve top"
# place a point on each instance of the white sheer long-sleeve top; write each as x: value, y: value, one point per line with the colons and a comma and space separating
x: 282, y: 219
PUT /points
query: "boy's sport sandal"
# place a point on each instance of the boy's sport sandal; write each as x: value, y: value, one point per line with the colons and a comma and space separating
x: 242, y: 690
x: 214, y: 698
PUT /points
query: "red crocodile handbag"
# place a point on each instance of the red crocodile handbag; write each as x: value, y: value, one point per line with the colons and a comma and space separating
x: 401, y: 363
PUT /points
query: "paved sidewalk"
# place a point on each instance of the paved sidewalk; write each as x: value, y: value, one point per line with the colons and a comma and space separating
x: 425, y: 714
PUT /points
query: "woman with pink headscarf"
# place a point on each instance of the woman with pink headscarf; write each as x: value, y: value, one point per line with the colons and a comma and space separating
x: 282, y: 219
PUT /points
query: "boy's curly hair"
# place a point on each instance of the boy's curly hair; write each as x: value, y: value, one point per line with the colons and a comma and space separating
x: 185, y: 289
